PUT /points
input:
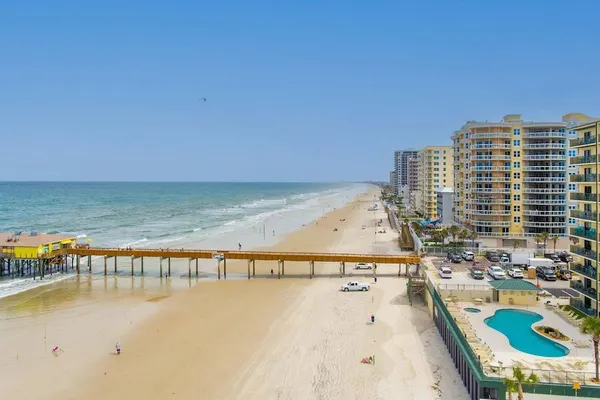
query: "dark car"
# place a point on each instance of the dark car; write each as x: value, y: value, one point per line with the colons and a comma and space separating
x: 546, y: 273
x: 477, y: 274
x: 552, y: 256
x: 455, y: 258
x: 492, y: 256
x: 565, y: 257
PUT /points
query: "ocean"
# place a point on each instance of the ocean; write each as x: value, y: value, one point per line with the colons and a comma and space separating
x: 164, y: 215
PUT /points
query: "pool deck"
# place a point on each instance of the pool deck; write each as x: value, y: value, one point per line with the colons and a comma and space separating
x: 503, y: 355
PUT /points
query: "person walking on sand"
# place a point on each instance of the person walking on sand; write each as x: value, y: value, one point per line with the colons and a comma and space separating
x: 239, y: 246
x: 118, y: 347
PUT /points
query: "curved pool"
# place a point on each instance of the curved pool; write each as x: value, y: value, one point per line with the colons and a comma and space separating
x: 516, y: 326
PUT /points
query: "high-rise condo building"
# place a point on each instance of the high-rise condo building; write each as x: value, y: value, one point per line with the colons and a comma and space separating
x: 435, y: 171
x: 394, y: 181
x: 510, y: 178
x: 402, y: 168
x: 584, y: 157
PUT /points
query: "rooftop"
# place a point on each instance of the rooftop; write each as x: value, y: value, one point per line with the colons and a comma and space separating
x: 30, y: 239
x: 514, y: 284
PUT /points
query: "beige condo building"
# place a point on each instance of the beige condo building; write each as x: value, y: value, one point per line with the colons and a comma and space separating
x: 435, y: 171
x: 510, y: 178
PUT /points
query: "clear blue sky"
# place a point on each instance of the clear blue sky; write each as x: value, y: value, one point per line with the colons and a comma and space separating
x: 297, y: 90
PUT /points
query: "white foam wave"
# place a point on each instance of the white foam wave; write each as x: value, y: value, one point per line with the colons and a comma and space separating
x: 262, y: 203
x: 131, y: 244
x: 197, y: 229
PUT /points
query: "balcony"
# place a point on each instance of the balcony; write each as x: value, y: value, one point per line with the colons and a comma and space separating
x: 541, y: 146
x: 585, y: 270
x: 551, y: 202
x: 544, y: 179
x: 543, y: 224
x: 490, y: 212
x: 580, y: 251
x: 490, y: 190
x: 490, y: 168
x: 490, y: 157
x: 491, y: 223
x: 579, y: 287
x: 583, y: 178
x: 580, y: 305
x: 490, y: 135
x: 546, y: 190
x: 543, y: 213
x: 592, y: 197
x: 491, y: 146
x: 544, y: 134
x: 583, y: 141
x: 581, y: 232
x: 543, y: 157
x: 489, y: 179
x: 489, y: 201
x: 545, y: 168
x: 586, y: 215
x: 583, y: 160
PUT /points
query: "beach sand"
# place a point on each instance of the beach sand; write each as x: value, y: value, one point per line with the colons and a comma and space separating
x: 293, y: 338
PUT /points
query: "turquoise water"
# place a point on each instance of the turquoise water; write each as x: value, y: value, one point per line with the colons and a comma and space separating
x: 516, y: 326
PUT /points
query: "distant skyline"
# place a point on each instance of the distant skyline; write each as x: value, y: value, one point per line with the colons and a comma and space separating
x: 298, y: 92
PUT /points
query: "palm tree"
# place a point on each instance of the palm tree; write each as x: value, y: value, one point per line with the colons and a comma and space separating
x: 515, y: 384
x: 473, y: 237
x: 544, y: 238
x: 454, y: 231
x: 554, y: 241
x: 591, y: 326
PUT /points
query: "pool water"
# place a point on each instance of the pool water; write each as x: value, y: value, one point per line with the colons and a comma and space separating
x: 472, y: 310
x: 516, y: 326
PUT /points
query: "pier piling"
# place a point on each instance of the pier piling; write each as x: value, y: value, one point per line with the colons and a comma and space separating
x: 249, y: 262
x: 196, y: 267
x: 169, y: 266
x: 224, y: 268
x: 116, y: 265
x: 105, y: 265
x: 253, y: 268
x: 142, y: 264
x: 190, y: 268
x: 278, y: 269
x: 132, y: 264
x: 160, y: 260
x: 89, y: 263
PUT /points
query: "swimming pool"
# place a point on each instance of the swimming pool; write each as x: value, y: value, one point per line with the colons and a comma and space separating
x: 472, y: 310
x: 516, y: 326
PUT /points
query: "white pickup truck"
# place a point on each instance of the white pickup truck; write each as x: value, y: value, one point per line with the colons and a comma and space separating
x: 355, y: 287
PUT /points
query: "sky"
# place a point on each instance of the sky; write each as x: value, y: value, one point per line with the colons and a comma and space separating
x: 296, y: 90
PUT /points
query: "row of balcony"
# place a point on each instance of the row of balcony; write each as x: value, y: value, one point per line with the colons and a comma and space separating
x: 591, y: 159
x: 543, y: 179
x: 490, y: 179
x: 490, y: 190
x: 586, y: 215
x: 545, y: 213
x: 491, y: 146
x: 490, y: 212
x: 545, y: 190
x: 551, y: 202
x: 583, y: 178
x: 585, y: 270
x: 490, y: 168
x: 545, y: 134
x: 582, y: 141
x: 534, y: 146
x: 486, y: 157
x: 591, y: 197
x: 587, y: 253
x: 544, y: 168
x: 581, y: 232
x: 586, y: 291
x: 557, y: 157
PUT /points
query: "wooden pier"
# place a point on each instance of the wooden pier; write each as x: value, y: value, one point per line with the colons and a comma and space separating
x: 222, y: 256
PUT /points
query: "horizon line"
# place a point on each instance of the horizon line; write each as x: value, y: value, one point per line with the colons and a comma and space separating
x: 150, y: 181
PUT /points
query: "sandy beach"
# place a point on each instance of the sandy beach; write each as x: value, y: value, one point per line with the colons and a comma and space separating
x: 293, y: 338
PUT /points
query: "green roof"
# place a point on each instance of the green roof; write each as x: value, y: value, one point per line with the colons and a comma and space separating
x: 514, y: 284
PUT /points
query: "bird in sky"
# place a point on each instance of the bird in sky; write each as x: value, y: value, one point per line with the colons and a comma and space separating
x: 203, y: 98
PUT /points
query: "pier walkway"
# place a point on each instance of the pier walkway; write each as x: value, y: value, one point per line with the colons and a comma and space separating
x: 223, y: 256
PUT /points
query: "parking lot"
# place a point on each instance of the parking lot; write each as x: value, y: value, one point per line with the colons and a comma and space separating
x: 461, y: 274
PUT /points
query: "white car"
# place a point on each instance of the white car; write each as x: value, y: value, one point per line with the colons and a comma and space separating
x: 363, y: 266
x: 355, y: 287
x: 515, y: 273
x: 467, y: 256
x: 496, y: 272
x: 445, y: 272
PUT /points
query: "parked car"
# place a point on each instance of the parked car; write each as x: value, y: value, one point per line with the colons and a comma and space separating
x: 468, y: 256
x: 455, y: 258
x: 363, y: 266
x: 546, y: 273
x: 515, y: 273
x: 552, y: 256
x: 496, y: 272
x: 477, y: 274
x: 565, y: 257
x: 355, y: 287
x: 445, y: 272
x: 492, y: 256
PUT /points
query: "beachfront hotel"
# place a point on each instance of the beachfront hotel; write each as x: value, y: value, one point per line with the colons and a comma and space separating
x: 510, y: 178
x: 435, y: 171
x: 583, y: 152
x: 403, y: 169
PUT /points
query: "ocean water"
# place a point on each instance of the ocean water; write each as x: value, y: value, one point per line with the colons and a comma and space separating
x: 165, y: 215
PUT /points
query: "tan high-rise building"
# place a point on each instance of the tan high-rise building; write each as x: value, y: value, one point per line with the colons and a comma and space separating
x: 510, y: 178
x: 435, y: 171
x: 584, y: 149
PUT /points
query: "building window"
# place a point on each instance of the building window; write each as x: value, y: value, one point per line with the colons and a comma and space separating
x: 517, y: 175
x: 572, y: 221
x: 517, y: 197
x: 517, y: 153
x: 517, y: 208
x: 517, y: 186
x: 572, y: 187
x: 516, y: 142
x: 517, y: 164
x: 517, y: 219
x: 572, y: 153
x: 517, y: 132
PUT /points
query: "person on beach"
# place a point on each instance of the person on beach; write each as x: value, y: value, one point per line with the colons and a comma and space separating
x: 118, y: 347
x: 372, y: 319
x: 239, y: 246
